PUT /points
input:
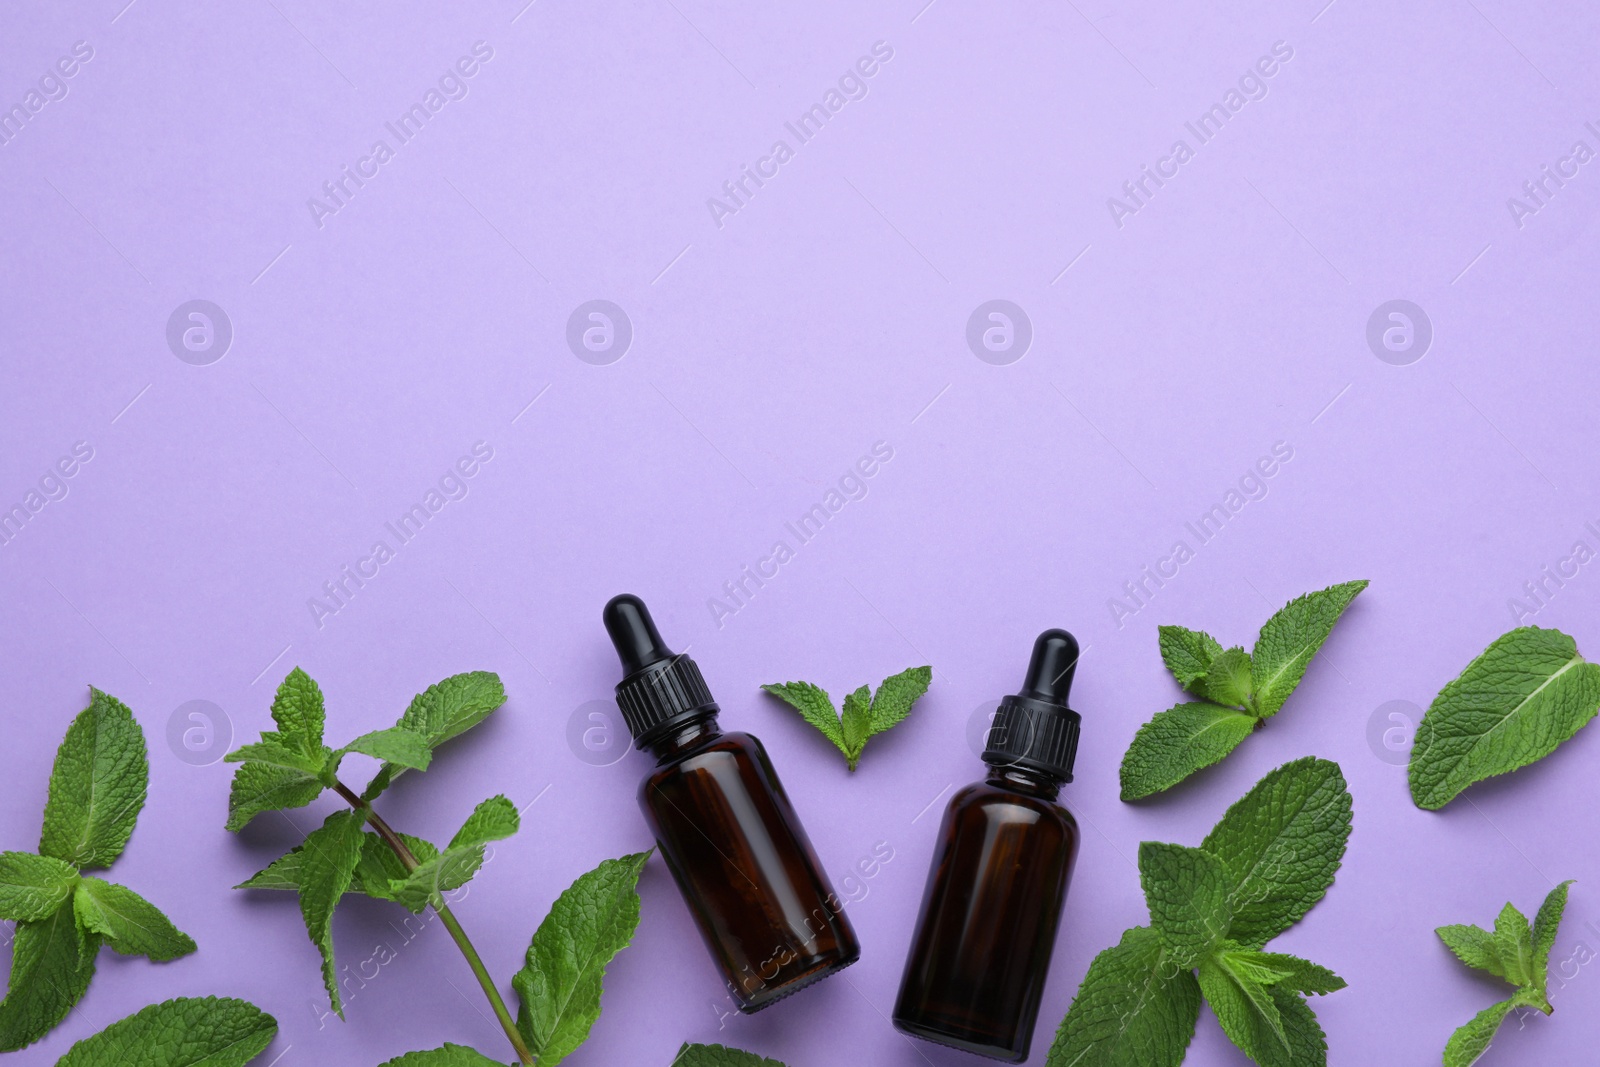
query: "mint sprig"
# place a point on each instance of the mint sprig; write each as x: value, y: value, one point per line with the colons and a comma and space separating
x: 1239, y: 691
x: 130, y: 924
x: 1212, y: 909
x: 97, y: 789
x: 1515, y: 950
x: 864, y: 715
x: 1523, y: 696
x: 356, y: 851
x: 185, y: 1032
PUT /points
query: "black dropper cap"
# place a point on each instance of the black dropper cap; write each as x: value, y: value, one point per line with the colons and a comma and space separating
x: 1035, y: 729
x: 660, y: 690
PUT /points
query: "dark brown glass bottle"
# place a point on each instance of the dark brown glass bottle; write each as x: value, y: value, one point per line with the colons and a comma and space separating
x: 981, y: 951
x: 725, y: 827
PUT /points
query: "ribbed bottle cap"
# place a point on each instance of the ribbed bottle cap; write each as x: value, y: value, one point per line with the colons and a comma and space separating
x: 659, y: 689
x: 1035, y: 728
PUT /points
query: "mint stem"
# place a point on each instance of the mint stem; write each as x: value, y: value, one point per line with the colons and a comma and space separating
x: 463, y: 942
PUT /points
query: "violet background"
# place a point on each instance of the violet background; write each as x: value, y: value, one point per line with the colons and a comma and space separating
x: 768, y: 355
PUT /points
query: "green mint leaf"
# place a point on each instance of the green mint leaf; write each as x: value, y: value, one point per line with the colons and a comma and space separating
x: 1472, y: 1039
x: 1189, y: 737
x: 1307, y: 1043
x: 1282, y: 843
x: 894, y: 697
x: 1516, y: 951
x: 1247, y: 1011
x: 397, y: 745
x: 1187, y: 892
x: 298, y: 710
x: 1514, y: 937
x: 377, y: 868
x: 1228, y: 680
x: 1474, y: 946
x: 814, y: 706
x: 327, y: 863
x: 1134, y: 1009
x: 719, y: 1056
x: 51, y: 964
x: 493, y: 820
x: 856, y: 724
x: 259, y: 787
x: 559, y: 986
x: 33, y: 887
x: 1522, y: 697
x: 97, y: 787
x: 448, y: 1056
x: 1545, y: 924
x: 449, y: 708
x: 1506, y: 952
x: 1297, y: 974
x: 1187, y: 653
x: 1247, y: 963
x: 281, y: 873
x: 186, y: 1032
x: 445, y: 710
x: 1290, y: 638
x: 865, y: 713
x: 1178, y: 742
x: 130, y: 924
x: 1529, y: 997
x: 381, y: 781
x: 278, y: 754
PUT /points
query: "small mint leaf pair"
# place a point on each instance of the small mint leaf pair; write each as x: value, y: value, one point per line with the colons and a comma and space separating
x: 1239, y: 690
x: 863, y: 716
x: 1515, y: 950
x: 185, y: 1032
x: 1528, y: 692
x: 63, y: 917
x: 1212, y: 909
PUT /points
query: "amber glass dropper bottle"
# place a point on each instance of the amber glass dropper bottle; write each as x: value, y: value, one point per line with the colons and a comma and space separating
x: 983, y: 940
x: 725, y: 826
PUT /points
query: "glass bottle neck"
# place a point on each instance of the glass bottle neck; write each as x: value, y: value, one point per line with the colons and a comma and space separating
x: 1025, y: 780
x: 681, y: 739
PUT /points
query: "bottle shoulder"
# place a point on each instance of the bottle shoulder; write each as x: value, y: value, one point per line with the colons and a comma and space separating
x: 997, y: 803
x: 731, y: 747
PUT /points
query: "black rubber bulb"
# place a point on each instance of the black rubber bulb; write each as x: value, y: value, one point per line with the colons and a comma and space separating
x: 1050, y: 670
x: 634, y: 633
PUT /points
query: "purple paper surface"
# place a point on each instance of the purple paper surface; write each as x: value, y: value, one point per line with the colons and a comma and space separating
x: 370, y: 317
